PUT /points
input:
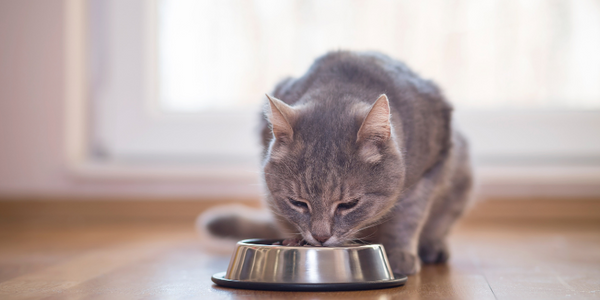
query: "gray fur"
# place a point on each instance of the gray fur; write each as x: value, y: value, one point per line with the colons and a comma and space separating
x: 411, y: 189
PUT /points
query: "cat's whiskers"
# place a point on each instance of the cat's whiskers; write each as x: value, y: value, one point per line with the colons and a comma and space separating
x: 362, y: 239
x: 355, y: 231
x: 379, y: 222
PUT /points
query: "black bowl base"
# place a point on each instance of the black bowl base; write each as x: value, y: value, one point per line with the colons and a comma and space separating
x: 220, y: 279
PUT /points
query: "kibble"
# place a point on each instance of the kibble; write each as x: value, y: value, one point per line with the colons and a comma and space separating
x: 292, y: 243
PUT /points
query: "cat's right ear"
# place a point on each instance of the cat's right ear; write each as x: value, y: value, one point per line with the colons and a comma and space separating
x: 279, y: 116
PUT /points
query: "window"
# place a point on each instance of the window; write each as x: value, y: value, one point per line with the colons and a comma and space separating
x: 485, y: 54
x: 182, y: 81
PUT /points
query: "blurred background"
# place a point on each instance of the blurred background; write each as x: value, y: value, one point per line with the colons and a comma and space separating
x: 160, y: 99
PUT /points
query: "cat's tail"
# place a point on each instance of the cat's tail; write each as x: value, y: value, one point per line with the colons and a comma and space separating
x: 220, y: 227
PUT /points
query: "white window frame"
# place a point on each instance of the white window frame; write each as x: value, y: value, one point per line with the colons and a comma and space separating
x: 558, y: 150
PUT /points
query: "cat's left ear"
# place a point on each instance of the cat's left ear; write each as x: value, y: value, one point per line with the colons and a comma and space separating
x: 377, y: 125
x: 375, y: 130
x: 279, y: 116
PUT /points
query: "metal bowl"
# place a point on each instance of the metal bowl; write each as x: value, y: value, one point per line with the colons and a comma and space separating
x: 257, y: 264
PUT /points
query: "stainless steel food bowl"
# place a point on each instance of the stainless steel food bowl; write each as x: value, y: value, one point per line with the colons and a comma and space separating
x: 257, y: 264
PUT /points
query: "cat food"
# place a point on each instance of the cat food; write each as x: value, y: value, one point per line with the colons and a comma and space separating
x: 292, y: 242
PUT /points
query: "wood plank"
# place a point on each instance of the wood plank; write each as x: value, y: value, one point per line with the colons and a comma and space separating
x: 535, y: 260
x: 86, y: 265
x: 29, y: 248
x: 503, y: 260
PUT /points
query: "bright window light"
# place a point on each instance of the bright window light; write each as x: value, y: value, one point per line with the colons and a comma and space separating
x: 225, y: 54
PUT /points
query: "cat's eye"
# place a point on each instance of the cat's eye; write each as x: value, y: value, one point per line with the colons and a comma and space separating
x: 297, y: 203
x: 347, y: 205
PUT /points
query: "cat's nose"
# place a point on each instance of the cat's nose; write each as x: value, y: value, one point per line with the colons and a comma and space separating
x: 322, y: 238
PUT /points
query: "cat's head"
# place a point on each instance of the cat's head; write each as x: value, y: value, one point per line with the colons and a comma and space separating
x: 332, y: 169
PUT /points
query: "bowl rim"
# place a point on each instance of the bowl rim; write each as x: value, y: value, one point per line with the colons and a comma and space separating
x: 253, y: 243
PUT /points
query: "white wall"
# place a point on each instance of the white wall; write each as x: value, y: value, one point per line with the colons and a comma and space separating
x: 31, y: 94
x: 32, y: 117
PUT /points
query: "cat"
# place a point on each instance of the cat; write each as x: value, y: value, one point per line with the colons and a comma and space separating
x: 360, y: 147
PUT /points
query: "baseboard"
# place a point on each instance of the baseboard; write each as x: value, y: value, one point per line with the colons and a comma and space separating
x: 185, y: 210
x: 102, y: 210
x: 577, y: 209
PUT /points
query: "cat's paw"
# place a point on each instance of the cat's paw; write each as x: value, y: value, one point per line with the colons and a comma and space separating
x: 434, y: 252
x: 403, y: 262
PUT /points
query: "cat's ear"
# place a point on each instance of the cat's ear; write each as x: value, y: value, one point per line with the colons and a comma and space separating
x: 279, y: 116
x: 375, y: 130
x: 377, y: 126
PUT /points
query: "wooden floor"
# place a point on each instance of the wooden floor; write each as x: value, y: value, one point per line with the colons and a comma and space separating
x: 490, y: 260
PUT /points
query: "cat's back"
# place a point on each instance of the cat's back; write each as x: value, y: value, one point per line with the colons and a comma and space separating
x: 365, y: 75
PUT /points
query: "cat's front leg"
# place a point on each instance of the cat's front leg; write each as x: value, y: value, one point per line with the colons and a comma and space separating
x: 400, y: 234
x: 403, y: 261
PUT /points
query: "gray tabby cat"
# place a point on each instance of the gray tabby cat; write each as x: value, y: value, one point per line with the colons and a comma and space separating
x: 360, y: 147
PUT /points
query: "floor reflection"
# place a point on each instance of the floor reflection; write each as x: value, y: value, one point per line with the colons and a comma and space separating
x: 381, y: 294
